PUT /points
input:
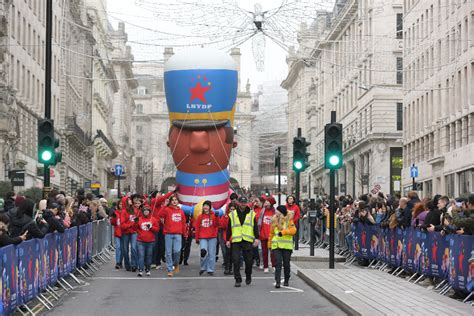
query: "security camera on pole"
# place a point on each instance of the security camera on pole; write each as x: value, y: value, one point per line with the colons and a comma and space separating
x: 300, y: 163
x: 332, y: 161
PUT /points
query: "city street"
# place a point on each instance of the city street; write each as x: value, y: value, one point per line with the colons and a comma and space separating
x: 113, y: 292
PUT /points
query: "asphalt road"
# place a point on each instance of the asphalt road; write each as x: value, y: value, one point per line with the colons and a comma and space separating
x: 117, y: 292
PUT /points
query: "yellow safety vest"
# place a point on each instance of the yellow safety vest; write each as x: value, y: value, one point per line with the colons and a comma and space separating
x: 283, y: 242
x: 244, y: 231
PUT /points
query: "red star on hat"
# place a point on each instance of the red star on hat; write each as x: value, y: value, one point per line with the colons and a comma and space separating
x: 198, y: 92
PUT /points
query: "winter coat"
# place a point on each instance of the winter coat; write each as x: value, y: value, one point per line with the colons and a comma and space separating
x: 420, y: 218
x: 223, y: 222
x: 279, y: 221
x: 296, y: 212
x: 147, y: 227
x: 241, y: 215
x: 174, y: 220
x: 115, y: 222
x: 25, y: 223
x: 9, y: 204
x: 264, y: 223
x: 5, y: 239
x: 464, y: 219
x: 206, y: 226
x: 55, y: 223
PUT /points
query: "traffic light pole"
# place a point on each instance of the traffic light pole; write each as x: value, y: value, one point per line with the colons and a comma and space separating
x: 47, y: 85
x: 119, y: 192
x: 279, y: 175
x: 297, y: 195
x: 332, y: 211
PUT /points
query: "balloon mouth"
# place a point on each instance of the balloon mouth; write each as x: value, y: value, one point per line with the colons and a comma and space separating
x: 208, y: 163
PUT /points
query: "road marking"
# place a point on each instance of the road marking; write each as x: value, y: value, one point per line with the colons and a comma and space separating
x: 287, y: 289
x: 175, y: 278
x: 80, y: 292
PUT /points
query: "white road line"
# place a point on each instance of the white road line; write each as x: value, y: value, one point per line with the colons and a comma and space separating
x: 285, y: 291
x: 175, y: 278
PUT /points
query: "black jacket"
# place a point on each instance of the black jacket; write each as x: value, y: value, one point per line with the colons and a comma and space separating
x: 433, y: 218
x: 9, y: 204
x: 55, y: 224
x: 5, y: 239
x: 241, y: 216
x: 25, y: 223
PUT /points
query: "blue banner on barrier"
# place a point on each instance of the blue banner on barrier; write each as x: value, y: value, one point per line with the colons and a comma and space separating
x: 52, y: 258
x: 449, y: 257
x: 72, y: 257
x: 90, y: 242
x: 62, y: 240
x: 82, y: 246
x: 9, y: 279
x: 27, y: 274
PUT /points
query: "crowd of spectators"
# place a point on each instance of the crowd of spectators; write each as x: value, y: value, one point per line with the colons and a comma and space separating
x: 23, y: 219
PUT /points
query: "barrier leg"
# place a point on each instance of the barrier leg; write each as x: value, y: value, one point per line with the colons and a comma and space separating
x: 440, y: 284
x: 417, y: 280
x: 468, y: 297
x: 446, y: 290
x: 75, y: 278
x: 395, y: 271
x: 47, y: 300
x: 84, y: 271
x: 371, y: 262
x: 43, y: 302
x: 65, y: 288
x: 65, y: 282
x: 400, y: 272
x: 92, y: 267
x: 413, y: 275
x: 19, y: 309
x: 51, y: 292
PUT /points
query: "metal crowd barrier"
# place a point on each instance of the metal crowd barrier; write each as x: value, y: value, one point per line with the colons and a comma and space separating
x: 37, y: 269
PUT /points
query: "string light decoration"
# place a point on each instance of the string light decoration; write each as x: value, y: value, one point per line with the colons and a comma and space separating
x: 226, y: 24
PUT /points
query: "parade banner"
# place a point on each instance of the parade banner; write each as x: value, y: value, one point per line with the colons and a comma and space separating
x: 52, y: 258
x: 71, y: 249
x: 82, y: 246
x: 449, y: 257
x: 9, y: 279
x: 27, y: 274
x: 89, y: 242
x: 61, y: 243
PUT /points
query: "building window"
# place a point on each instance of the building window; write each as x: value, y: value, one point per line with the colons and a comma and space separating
x: 399, y: 70
x: 399, y: 116
x: 139, y: 129
x: 141, y: 90
x: 139, y: 108
x: 465, y: 182
x: 450, y: 185
x: 139, y: 144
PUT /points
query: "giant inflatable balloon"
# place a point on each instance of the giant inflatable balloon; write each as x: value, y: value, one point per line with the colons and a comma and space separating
x: 201, y: 90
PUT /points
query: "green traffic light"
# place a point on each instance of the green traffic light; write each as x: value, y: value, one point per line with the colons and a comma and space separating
x: 334, y: 160
x: 298, y: 165
x: 46, y: 155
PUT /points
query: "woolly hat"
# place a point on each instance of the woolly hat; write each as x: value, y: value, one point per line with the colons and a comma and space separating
x: 271, y: 199
x: 282, y: 209
x: 19, y: 199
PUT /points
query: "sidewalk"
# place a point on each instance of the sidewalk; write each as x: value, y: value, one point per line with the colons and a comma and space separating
x: 320, y: 255
x: 360, y: 291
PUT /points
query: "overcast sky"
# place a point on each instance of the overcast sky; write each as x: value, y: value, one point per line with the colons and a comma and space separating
x: 275, y: 65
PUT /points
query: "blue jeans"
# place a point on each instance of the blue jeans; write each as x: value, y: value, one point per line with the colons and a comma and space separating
x: 130, y: 240
x: 118, y: 251
x: 208, y: 263
x: 145, y: 254
x: 173, y: 250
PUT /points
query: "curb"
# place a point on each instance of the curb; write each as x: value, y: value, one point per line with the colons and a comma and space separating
x: 333, y: 299
x: 316, y: 259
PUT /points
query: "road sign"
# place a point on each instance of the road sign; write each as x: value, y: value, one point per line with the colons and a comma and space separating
x: 118, y: 170
x: 95, y: 185
x: 17, y: 177
x: 365, y: 179
x: 414, y: 171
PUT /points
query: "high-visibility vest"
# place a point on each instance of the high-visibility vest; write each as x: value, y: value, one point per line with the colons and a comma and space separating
x: 283, y: 242
x: 244, y: 231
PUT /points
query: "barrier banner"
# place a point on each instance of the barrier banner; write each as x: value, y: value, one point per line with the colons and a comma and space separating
x: 43, y: 263
x: 422, y: 255
x: 9, y: 279
x: 27, y: 258
x: 89, y: 242
x: 439, y: 255
x: 461, y: 247
x: 365, y: 241
x: 2, y: 309
x: 82, y: 246
x: 52, y: 258
x: 408, y: 252
x: 71, y: 249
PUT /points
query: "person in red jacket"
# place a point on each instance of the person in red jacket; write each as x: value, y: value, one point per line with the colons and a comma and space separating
x: 115, y: 222
x: 206, y: 237
x: 291, y: 206
x: 147, y: 226
x: 174, y: 229
x: 264, y: 222
x: 129, y: 233
x: 223, y: 222
x: 156, y: 204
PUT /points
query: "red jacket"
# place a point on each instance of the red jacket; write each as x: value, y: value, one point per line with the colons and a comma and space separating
x: 296, y: 210
x: 206, y: 226
x: 223, y: 222
x: 265, y: 223
x: 115, y: 221
x: 156, y: 203
x: 174, y: 219
x: 127, y: 222
x: 147, y: 227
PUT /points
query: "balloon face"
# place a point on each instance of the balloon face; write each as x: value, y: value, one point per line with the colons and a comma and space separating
x: 201, y: 151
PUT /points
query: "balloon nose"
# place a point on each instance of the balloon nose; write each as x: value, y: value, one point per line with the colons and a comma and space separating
x: 199, y: 141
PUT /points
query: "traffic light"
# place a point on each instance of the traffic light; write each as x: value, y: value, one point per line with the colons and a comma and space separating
x: 47, y: 144
x: 333, y: 146
x: 300, y: 156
